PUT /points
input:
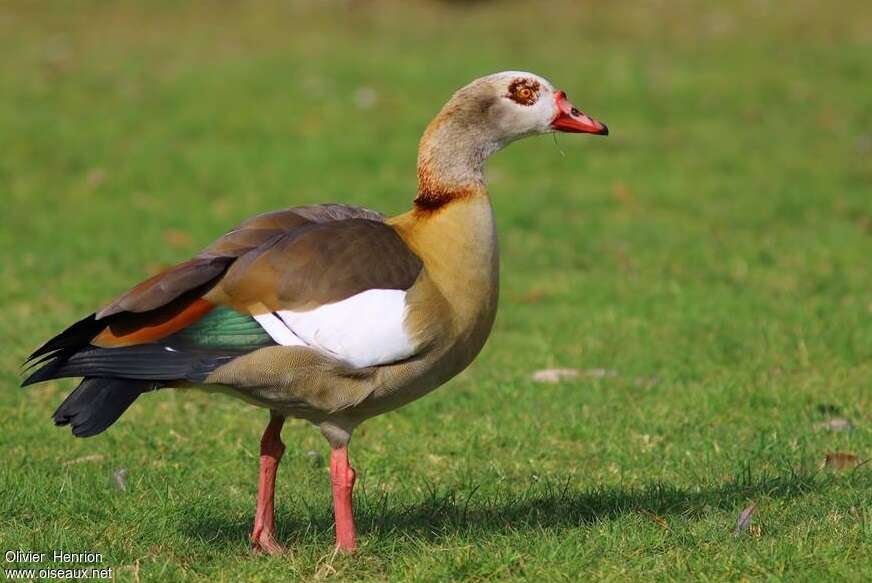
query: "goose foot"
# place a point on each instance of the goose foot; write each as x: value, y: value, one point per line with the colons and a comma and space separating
x: 263, y: 543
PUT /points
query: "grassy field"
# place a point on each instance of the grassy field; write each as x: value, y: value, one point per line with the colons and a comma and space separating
x: 706, y: 268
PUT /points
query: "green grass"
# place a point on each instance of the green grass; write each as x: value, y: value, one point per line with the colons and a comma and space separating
x: 713, y: 252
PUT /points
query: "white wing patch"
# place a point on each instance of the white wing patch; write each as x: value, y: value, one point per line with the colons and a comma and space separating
x: 277, y: 330
x: 363, y: 330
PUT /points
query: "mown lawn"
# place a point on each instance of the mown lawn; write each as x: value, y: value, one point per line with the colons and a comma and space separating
x: 706, y: 268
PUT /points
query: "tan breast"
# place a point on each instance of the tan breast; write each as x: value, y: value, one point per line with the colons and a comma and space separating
x: 458, y: 245
x: 453, y: 305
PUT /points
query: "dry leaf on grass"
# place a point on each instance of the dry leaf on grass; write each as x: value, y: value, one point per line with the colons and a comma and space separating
x: 119, y: 478
x: 835, y: 424
x: 555, y: 375
x: 657, y: 518
x: 94, y: 457
x: 744, y: 520
x: 645, y: 382
x: 841, y: 461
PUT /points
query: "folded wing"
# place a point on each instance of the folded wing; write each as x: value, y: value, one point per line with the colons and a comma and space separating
x: 331, y: 277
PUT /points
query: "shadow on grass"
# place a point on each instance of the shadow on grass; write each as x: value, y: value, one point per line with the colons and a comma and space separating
x: 543, y: 505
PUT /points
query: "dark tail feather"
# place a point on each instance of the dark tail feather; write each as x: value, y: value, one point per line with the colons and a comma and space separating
x: 98, y: 402
x: 73, y: 338
x: 51, y: 355
x: 143, y: 362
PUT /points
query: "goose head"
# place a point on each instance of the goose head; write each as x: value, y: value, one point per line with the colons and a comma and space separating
x: 506, y: 106
x: 521, y: 104
x: 485, y: 116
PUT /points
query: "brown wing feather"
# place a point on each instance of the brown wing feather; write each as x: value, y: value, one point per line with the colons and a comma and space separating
x: 161, y: 289
x: 204, y: 270
x: 318, y: 264
x: 299, y: 255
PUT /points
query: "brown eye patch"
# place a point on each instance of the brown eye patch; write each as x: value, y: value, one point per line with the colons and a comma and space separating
x: 524, y: 91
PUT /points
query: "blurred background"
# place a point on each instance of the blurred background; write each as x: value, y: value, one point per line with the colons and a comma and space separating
x: 704, y: 270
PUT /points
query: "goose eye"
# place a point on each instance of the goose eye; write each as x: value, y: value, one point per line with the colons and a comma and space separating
x: 524, y: 91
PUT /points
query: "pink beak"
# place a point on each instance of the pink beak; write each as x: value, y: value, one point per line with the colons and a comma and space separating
x: 570, y: 119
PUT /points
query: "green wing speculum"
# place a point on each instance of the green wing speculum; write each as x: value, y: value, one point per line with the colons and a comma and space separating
x: 222, y: 329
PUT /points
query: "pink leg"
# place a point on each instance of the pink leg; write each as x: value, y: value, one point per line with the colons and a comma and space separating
x: 271, y: 451
x: 342, y: 476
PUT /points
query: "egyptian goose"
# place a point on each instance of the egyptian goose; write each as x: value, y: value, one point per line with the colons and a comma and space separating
x: 328, y: 313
